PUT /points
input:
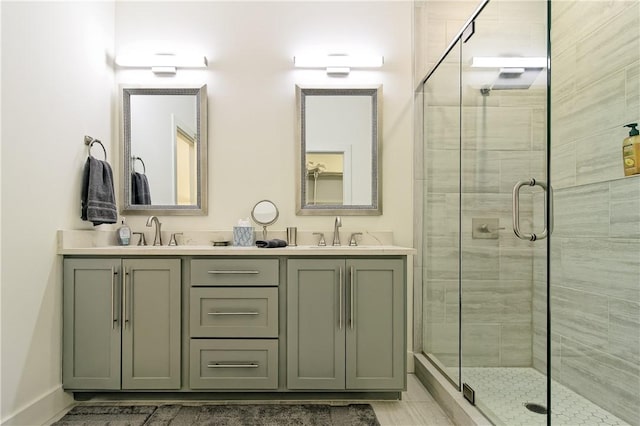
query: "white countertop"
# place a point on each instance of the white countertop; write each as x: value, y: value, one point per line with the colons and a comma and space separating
x: 237, y: 251
x: 93, y: 243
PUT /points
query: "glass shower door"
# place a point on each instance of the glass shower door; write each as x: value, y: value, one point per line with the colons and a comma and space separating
x: 441, y: 216
x: 503, y: 277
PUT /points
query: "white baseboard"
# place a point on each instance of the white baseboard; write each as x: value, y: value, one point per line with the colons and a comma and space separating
x: 41, y: 409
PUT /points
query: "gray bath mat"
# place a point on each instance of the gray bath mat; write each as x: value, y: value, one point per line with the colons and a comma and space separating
x: 221, y: 415
x: 103, y: 415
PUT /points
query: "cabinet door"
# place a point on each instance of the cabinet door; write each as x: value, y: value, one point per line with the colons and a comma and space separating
x: 151, y: 324
x: 91, y: 324
x: 315, y: 324
x: 376, y: 338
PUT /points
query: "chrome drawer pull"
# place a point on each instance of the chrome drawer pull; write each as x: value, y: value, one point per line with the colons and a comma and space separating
x: 125, y: 278
x: 340, y: 297
x: 252, y: 365
x: 233, y: 313
x: 351, y: 277
x: 214, y: 272
x: 114, y: 318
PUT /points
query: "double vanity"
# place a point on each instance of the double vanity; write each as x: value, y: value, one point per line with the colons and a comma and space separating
x: 198, y: 318
x: 201, y: 318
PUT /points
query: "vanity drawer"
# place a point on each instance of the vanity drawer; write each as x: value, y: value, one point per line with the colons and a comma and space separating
x: 234, y: 312
x: 234, y: 272
x: 233, y: 364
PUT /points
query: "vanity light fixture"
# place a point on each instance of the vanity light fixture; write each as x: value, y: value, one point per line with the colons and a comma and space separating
x: 508, y: 62
x: 338, y: 63
x: 162, y: 63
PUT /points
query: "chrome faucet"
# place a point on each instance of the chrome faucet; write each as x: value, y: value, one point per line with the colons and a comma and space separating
x: 157, y: 239
x: 336, y: 234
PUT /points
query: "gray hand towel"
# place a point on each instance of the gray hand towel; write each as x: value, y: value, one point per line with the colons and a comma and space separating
x: 98, y: 197
x: 140, y: 189
x: 271, y: 243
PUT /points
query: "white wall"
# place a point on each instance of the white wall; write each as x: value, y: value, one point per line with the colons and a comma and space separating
x: 251, y: 85
x: 56, y: 88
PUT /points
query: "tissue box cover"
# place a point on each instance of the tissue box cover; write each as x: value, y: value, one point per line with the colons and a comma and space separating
x: 243, y: 236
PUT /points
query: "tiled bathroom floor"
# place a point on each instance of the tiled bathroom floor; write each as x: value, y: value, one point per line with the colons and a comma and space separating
x: 502, y: 392
x: 417, y: 408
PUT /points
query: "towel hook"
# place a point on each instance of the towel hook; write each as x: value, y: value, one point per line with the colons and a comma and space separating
x: 144, y: 168
x: 88, y: 140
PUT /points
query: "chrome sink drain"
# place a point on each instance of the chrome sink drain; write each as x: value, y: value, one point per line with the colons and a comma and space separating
x: 536, y: 408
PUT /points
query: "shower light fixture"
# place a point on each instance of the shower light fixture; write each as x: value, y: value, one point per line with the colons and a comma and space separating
x: 162, y: 63
x: 508, y: 62
x: 338, y: 63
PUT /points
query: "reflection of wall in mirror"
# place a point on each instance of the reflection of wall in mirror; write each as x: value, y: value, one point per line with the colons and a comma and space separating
x: 153, y: 138
x: 325, y: 184
x: 346, y: 122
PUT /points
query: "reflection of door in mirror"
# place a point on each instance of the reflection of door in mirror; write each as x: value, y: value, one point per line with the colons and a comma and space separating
x: 185, y: 165
x: 342, y: 123
x: 154, y: 119
x: 326, y: 181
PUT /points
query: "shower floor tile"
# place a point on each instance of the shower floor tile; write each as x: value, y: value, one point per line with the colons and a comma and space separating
x: 502, y: 392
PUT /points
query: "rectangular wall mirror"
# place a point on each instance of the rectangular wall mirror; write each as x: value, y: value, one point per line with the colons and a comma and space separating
x: 338, y: 137
x: 164, y: 150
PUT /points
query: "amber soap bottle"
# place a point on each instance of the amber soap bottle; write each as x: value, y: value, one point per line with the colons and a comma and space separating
x: 631, y: 151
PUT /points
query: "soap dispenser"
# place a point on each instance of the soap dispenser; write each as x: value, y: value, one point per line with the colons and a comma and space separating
x: 631, y: 151
x: 124, y: 234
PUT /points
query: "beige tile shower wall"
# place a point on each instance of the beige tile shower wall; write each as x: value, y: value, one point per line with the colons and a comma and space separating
x: 595, y: 88
x: 504, y: 139
x: 436, y: 23
x: 595, y: 247
x: 595, y: 295
x: 497, y: 274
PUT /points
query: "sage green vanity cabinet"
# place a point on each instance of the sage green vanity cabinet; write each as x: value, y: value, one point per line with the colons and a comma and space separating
x: 346, y: 324
x: 283, y: 322
x: 122, y: 322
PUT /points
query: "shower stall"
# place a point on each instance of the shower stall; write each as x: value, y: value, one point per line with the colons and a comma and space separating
x: 528, y: 273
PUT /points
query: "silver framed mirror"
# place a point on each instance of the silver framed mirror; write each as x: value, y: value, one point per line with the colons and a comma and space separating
x: 337, y: 144
x: 163, y: 158
x: 265, y: 213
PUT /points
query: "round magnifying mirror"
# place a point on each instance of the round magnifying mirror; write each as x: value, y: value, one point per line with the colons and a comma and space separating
x: 264, y: 213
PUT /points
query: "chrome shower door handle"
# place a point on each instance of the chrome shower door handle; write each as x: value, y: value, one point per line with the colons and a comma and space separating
x: 516, y: 210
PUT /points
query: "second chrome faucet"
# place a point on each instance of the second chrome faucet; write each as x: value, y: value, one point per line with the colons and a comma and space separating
x: 336, y: 234
x: 157, y: 239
